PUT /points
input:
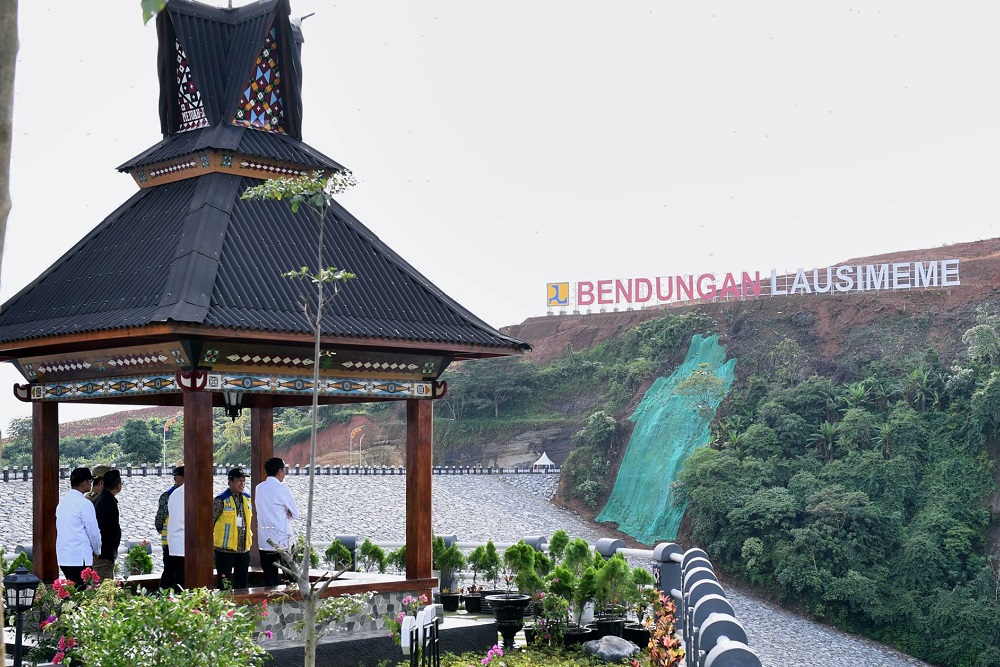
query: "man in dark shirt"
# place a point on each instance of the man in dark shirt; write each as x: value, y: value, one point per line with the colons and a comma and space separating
x: 106, y: 506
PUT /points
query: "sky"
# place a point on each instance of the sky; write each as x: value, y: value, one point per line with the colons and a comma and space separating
x: 503, y: 146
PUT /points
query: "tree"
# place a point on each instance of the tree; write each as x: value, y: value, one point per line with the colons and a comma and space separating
x: 499, y: 381
x: 316, y: 194
x: 138, y: 441
x: 8, y: 59
x: 824, y: 438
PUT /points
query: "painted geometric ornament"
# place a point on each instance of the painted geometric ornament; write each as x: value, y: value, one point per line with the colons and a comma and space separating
x: 189, y: 104
x: 262, y: 104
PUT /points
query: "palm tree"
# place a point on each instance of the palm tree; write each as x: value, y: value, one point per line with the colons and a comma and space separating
x: 824, y: 439
x: 857, y: 395
x: 884, y: 439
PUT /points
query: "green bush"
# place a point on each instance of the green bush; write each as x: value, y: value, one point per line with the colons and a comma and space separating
x: 371, y: 556
x: 138, y: 560
x: 338, y: 556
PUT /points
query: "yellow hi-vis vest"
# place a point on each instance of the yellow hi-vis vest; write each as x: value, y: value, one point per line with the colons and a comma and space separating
x: 166, y: 520
x: 226, y: 532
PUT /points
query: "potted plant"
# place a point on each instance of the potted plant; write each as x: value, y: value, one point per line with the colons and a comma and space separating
x: 472, y: 600
x: 550, y: 624
x: 476, y: 563
x: 518, y: 566
x: 450, y: 562
x: 584, y: 590
x: 644, y: 597
x: 557, y: 545
x: 489, y: 565
x: 614, y: 591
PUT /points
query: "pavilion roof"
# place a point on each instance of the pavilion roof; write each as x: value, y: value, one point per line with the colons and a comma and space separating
x: 187, y: 250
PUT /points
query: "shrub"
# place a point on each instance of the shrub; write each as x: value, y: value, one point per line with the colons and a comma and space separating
x: 338, y: 555
x: 138, y: 560
x: 107, y: 626
x: 372, y: 556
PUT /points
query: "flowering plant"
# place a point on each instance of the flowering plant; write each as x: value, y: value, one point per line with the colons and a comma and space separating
x: 553, y: 613
x: 493, y: 658
x: 104, y: 625
x: 410, y: 606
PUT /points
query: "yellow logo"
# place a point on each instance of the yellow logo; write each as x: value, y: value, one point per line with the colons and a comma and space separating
x: 558, y: 295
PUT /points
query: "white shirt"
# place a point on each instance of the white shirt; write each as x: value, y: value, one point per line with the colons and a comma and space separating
x: 77, y: 536
x: 274, y: 508
x: 175, y: 522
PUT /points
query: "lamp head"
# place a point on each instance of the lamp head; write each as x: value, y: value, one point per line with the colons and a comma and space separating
x: 234, y: 403
x: 19, y: 590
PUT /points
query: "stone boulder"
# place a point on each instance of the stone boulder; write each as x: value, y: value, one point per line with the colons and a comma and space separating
x: 611, y: 649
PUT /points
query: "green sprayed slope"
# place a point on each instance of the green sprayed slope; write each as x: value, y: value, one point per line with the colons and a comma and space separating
x: 669, y: 426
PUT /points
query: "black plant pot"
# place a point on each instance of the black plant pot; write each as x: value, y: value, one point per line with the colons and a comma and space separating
x: 636, y: 634
x: 609, y: 627
x: 450, y: 601
x: 485, y: 605
x: 529, y: 634
x: 576, y: 635
x: 508, y: 610
x: 473, y: 603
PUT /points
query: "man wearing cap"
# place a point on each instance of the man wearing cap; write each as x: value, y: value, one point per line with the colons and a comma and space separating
x: 98, y: 484
x: 78, y: 538
x: 232, y: 513
x: 168, y: 578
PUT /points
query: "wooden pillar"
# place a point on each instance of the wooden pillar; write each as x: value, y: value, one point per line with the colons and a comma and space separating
x: 44, y: 488
x: 261, y: 449
x: 199, y: 556
x: 419, y: 466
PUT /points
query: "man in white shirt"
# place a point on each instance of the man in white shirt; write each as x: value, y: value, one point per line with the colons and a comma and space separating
x: 175, y: 541
x: 78, y: 538
x: 275, y: 508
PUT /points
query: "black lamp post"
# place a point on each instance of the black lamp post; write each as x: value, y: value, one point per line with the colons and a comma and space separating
x: 19, y: 595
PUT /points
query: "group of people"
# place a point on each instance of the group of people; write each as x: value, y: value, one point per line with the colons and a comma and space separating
x: 88, y: 530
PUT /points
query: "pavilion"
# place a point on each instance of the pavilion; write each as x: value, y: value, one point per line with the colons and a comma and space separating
x: 177, y: 297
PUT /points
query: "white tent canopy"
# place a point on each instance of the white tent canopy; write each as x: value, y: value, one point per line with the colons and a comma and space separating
x: 544, y: 460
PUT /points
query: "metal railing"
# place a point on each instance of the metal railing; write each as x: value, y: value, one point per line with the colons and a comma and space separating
x: 25, y: 473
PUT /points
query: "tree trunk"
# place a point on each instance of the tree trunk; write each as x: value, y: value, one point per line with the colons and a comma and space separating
x: 8, y: 58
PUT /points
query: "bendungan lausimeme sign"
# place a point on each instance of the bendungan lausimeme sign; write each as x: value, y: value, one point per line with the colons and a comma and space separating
x: 645, y: 292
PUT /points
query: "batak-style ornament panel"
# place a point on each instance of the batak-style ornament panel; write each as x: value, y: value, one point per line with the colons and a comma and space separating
x: 275, y: 385
x: 123, y: 387
x: 295, y: 385
x: 338, y: 363
x: 163, y: 358
x: 209, y: 161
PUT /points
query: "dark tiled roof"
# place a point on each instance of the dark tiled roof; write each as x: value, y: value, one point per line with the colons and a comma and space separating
x: 194, y: 252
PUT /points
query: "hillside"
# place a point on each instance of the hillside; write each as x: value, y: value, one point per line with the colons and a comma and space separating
x: 830, y: 319
x: 838, y: 332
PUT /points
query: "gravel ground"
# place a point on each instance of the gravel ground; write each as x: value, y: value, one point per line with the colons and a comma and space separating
x: 475, y: 508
